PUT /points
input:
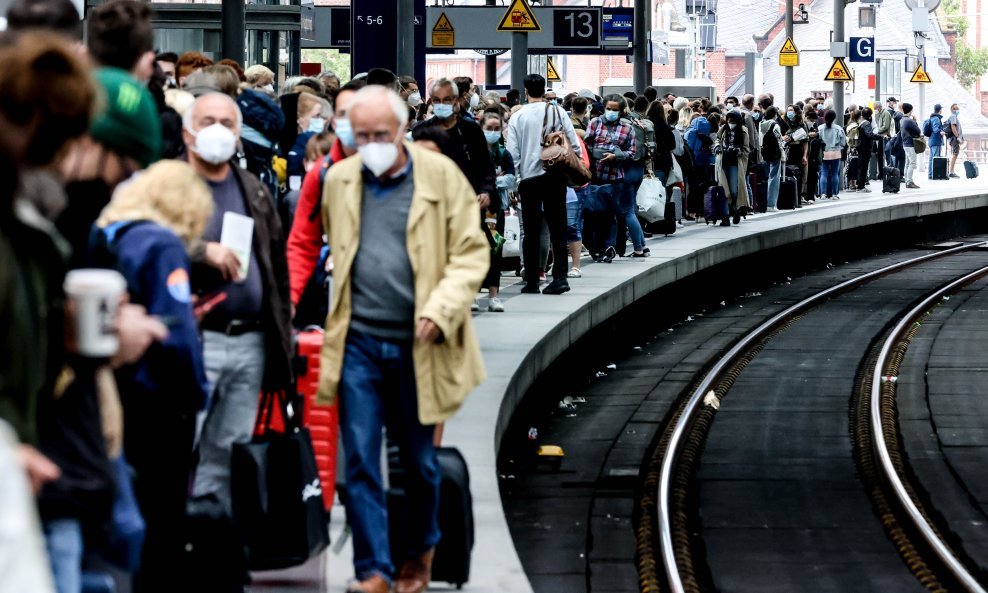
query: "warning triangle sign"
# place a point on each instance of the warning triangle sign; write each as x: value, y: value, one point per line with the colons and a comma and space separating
x: 789, y: 47
x: 920, y: 75
x: 552, y: 75
x: 519, y: 18
x: 443, y: 24
x: 838, y: 72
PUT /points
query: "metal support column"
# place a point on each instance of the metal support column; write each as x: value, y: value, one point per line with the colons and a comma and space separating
x: 406, y: 38
x: 680, y: 62
x: 839, y: 7
x: 490, y: 62
x: 233, y: 24
x: 789, y: 71
x: 519, y: 61
x: 878, y: 81
x: 749, y: 72
x: 642, y: 72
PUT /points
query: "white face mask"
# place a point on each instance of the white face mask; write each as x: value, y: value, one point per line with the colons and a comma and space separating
x: 415, y: 99
x: 214, y: 144
x: 732, y: 126
x: 268, y: 87
x: 474, y: 101
x: 378, y: 156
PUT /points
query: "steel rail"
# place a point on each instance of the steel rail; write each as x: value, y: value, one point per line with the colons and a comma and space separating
x: 711, y: 379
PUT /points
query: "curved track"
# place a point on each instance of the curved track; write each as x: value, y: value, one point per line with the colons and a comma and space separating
x: 780, y: 503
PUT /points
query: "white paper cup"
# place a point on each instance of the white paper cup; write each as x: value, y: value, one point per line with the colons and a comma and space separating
x: 96, y: 294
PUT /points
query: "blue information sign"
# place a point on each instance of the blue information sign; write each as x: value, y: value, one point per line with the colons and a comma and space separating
x: 618, y: 25
x: 862, y: 49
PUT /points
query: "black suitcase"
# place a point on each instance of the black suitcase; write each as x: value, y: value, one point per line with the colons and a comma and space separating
x: 451, y: 563
x: 940, y: 167
x: 667, y: 225
x: 761, y: 196
x: 970, y: 169
x: 788, y: 194
x: 891, y: 179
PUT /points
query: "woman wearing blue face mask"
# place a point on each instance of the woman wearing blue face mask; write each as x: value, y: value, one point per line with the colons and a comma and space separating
x: 795, y: 136
x: 311, y: 121
x: 506, y: 184
x: 611, y: 143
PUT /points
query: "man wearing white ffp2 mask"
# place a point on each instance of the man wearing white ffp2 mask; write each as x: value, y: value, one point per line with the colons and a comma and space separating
x: 390, y: 301
x: 246, y: 334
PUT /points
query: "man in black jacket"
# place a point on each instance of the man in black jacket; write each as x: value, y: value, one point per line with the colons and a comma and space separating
x: 868, y: 139
x: 246, y: 337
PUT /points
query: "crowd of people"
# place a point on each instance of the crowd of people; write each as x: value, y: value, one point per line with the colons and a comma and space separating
x: 233, y: 208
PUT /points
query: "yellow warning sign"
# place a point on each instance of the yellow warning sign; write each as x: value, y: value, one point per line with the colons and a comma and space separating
x: 839, y: 72
x: 920, y: 75
x: 789, y: 55
x: 551, y: 74
x: 442, y: 33
x: 519, y: 18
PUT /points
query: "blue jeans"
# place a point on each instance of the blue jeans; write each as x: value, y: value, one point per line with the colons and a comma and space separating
x: 64, y: 540
x: 377, y: 389
x: 774, y: 171
x: 627, y: 212
x: 731, y: 172
x: 830, y: 177
x: 574, y: 216
x: 934, y: 151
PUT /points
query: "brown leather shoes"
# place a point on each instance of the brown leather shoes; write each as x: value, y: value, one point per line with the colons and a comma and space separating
x: 375, y: 584
x: 415, y: 574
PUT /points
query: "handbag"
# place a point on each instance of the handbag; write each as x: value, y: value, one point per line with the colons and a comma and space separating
x: 798, y: 135
x: 557, y: 154
x: 675, y: 173
x: 919, y: 144
x: 651, y: 199
x: 277, y: 495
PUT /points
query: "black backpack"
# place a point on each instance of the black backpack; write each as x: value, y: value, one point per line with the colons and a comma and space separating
x: 771, y: 151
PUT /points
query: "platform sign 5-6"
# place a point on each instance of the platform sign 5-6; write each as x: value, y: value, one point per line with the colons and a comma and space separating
x: 578, y: 27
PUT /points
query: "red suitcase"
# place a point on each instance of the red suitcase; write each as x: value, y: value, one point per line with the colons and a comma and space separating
x: 323, y: 422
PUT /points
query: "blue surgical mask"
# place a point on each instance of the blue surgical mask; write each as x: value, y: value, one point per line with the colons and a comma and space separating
x: 956, y: 111
x: 612, y: 116
x: 791, y: 115
x: 756, y: 115
x: 493, y: 136
x: 442, y: 111
x: 317, y: 125
x: 345, y: 133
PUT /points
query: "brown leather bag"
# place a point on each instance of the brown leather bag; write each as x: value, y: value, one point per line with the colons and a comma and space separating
x: 557, y: 153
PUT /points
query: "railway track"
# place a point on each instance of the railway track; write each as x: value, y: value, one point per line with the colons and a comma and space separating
x: 675, y: 549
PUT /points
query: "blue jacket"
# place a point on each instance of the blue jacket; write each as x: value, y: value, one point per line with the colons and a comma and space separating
x: 936, y: 122
x: 154, y: 262
x: 699, y: 127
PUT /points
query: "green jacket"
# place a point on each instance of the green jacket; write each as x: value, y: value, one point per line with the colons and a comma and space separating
x: 883, y: 122
x: 31, y: 269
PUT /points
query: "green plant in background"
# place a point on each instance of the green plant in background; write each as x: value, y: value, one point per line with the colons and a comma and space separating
x: 331, y: 59
x: 971, y: 63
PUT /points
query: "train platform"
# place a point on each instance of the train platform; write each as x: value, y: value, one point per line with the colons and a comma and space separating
x: 520, y: 344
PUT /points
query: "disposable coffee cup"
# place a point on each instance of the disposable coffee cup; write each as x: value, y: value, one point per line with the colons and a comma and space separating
x: 96, y: 294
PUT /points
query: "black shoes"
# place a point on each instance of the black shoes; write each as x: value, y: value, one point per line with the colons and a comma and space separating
x: 557, y: 286
x: 725, y: 222
x: 609, y: 255
x: 530, y: 289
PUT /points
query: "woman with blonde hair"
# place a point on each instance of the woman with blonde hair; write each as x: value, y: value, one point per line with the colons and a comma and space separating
x: 144, y: 234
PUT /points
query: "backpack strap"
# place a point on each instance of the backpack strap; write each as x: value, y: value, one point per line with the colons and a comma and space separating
x: 324, y: 166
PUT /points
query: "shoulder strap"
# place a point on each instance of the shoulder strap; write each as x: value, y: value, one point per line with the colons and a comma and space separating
x: 324, y: 166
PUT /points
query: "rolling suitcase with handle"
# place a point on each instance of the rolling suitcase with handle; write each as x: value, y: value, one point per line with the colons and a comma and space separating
x: 714, y: 204
x: 788, y: 194
x: 939, y: 170
x: 891, y: 180
x: 451, y: 563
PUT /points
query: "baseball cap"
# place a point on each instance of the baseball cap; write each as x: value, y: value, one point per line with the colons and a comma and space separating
x: 587, y: 94
x: 128, y: 123
x: 892, y: 100
x: 937, y: 107
x: 201, y: 83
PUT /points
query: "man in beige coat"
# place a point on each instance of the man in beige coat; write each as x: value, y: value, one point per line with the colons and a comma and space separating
x: 400, y: 349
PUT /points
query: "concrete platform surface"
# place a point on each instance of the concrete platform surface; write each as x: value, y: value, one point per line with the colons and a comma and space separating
x: 521, y: 343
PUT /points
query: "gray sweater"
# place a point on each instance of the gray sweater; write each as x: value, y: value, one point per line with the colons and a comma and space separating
x: 383, y: 289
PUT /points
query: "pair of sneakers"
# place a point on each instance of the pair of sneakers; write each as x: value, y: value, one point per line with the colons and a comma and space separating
x: 557, y: 286
x: 494, y: 305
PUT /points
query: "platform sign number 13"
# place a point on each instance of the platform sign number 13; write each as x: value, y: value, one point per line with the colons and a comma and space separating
x: 576, y: 28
